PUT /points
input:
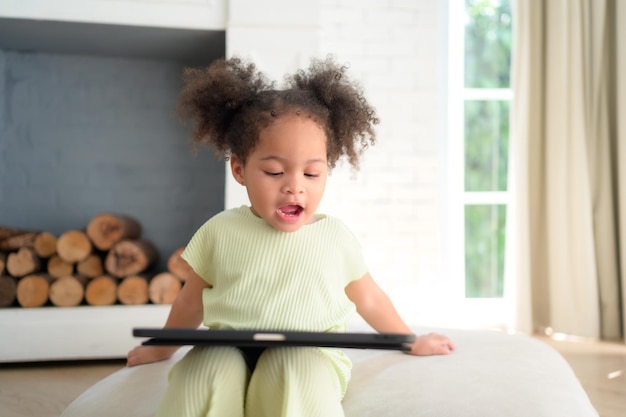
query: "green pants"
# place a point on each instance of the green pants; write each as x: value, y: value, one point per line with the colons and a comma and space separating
x: 286, y: 382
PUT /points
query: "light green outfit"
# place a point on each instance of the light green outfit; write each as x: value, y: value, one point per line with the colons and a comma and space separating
x: 263, y: 278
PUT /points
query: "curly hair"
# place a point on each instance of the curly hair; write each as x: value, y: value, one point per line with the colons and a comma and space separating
x: 230, y: 102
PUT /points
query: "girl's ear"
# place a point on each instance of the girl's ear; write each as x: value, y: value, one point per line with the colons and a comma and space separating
x: 236, y: 167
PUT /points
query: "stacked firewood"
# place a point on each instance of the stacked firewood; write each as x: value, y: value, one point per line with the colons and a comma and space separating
x: 106, y: 263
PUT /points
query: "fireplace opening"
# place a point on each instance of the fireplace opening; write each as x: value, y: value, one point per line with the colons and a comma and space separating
x: 87, y: 125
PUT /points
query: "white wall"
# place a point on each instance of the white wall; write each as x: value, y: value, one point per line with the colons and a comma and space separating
x: 394, y: 203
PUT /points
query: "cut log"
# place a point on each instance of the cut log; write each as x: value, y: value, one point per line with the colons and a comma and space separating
x: 22, y: 262
x: 133, y: 290
x: 130, y: 257
x: 73, y: 246
x: 164, y: 288
x: 8, y: 290
x: 22, y: 240
x: 45, y: 244
x: 101, y: 291
x: 106, y: 229
x: 6, y: 232
x: 67, y: 291
x: 32, y: 290
x: 58, y: 267
x: 90, y: 267
x: 3, y: 262
x: 177, y: 265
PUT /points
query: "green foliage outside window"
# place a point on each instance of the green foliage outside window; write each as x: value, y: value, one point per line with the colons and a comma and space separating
x: 484, y: 250
x: 486, y: 145
x: 488, y: 42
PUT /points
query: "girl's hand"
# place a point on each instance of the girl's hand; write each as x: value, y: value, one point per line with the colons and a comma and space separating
x: 147, y: 354
x: 431, y: 344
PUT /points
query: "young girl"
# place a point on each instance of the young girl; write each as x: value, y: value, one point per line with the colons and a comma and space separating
x: 276, y: 264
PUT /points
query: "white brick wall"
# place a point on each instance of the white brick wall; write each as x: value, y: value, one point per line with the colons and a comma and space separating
x: 393, y: 203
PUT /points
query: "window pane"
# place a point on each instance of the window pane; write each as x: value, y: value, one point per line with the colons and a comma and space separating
x: 484, y: 250
x: 486, y: 145
x: 488, y: 38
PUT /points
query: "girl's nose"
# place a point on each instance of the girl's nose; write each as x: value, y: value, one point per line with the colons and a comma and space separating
x: 292, y: 185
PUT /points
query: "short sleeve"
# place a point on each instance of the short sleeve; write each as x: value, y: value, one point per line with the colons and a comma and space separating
x: 352, y: 254
x: 198, y: 252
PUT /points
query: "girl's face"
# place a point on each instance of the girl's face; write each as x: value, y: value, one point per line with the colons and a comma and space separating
x: 285, y: 175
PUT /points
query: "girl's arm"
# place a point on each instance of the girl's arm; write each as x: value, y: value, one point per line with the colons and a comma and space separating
x: 377, y: 310
x: 186, y: 312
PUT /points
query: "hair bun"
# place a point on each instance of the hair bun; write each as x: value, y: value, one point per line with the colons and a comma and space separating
x: 352, y: 118
x: 212, y: 96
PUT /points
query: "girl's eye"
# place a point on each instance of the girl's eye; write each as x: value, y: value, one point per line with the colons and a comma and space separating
x: 311, y: 175
x: 272, y: 174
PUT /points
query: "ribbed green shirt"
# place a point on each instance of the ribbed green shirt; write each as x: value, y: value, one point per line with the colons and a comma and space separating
x: 263, y: 278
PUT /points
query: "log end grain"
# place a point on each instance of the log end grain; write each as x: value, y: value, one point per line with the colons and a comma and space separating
x: 23, y: 262
x: 67, y: 291
x: 177, y: 265
x: 133, y: 290
x: 73, y: 246
x: 58, y: 267
x: 45, y: 244
x: 130, y: 257
x: 164, y: 288
x: 101, y: 291
x: 32, y: 290
x: 106, y: 229
x: 91, y: 266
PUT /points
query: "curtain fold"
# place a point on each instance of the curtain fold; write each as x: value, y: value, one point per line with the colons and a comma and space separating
x: 567, y: 166
x: 619, y: 99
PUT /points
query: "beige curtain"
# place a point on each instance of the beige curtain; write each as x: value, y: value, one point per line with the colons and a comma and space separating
x: 568, y: 165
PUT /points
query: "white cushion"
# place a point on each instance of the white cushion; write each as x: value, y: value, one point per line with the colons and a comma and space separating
x: 490, y: 374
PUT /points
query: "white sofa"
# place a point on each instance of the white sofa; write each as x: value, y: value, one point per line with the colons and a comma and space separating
x: 491, y: 374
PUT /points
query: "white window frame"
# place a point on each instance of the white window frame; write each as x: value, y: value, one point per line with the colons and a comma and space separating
x: 467, y: 312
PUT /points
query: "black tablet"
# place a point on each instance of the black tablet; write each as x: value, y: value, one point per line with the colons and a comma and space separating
x: 266, y: 338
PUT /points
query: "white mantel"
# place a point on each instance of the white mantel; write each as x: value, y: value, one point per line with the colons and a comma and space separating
x: 70, y: 333
x: 183, y: 14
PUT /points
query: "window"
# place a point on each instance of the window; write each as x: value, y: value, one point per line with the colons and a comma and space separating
x: 480, y: 41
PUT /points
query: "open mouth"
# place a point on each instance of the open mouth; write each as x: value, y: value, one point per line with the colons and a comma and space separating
x: 290, y: 211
